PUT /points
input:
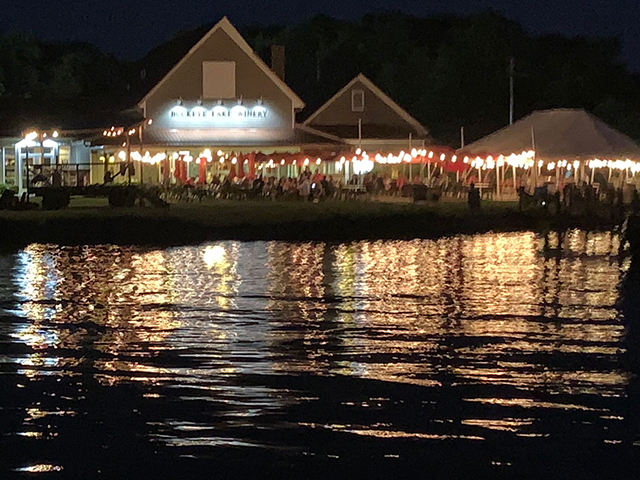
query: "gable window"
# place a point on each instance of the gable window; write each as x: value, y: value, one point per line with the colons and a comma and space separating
x: 357, y: 100
x: 218, y: 80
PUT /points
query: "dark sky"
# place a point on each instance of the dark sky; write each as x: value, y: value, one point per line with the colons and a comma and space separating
x: 130, y: 28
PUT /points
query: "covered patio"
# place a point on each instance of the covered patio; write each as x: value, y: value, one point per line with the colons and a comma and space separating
x: 554, y: 148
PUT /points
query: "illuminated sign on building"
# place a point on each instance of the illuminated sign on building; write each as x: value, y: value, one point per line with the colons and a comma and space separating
x: 220, y: 112
x: 240, y: 121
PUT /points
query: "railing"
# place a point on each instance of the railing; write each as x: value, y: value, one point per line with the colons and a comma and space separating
x: 82, y: 175
x: 61, y: 175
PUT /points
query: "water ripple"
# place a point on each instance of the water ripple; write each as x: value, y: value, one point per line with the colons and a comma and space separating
x: 317, y: 350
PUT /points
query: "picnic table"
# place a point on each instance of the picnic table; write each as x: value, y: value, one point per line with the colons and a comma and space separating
x: 352, y: 192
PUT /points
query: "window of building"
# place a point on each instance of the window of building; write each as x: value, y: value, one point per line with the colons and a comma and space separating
x: 64, y: 154
x: 218, y: 80
x: 9, y: 169
x: 357, y: 100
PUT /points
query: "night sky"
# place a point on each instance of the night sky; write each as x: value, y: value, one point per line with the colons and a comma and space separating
x: 130, y: 28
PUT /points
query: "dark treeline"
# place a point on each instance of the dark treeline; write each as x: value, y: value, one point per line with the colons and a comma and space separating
x: 447, y: 71
x: 46, y: 84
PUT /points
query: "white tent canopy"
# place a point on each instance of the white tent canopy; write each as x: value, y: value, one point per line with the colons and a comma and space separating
x: 558, y: 134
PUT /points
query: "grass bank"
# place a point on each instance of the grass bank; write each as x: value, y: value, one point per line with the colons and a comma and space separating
x: 90, y: 221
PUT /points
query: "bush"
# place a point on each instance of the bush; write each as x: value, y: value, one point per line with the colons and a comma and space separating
x: 152, y: 194
x: 123, y: 196
x: 420, y: 193
x: 8, y: 199
x: 55, y: 198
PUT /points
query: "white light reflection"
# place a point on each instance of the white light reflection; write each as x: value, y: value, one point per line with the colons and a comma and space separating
x: 492, y: 311
x: 214, y: 255
x: 40, y: 468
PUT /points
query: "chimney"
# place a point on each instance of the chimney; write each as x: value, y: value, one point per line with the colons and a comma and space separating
x: 277, y: 60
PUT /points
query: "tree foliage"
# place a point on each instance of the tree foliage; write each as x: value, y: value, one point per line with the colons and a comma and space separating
x: 60, y: 84
x: 20, y: 56
x: 453, y: 71
x: 447, y: 71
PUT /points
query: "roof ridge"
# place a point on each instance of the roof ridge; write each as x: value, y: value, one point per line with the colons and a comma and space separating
x: 239, y: 40
x: 581, y: 134
x: 601, y: 127
x: 386, y: 99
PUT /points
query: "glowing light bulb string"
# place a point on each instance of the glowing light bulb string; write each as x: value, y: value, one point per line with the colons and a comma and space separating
x: 443, y: 157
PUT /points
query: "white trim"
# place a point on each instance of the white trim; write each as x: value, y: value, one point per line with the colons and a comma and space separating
x: 354, y: 93
x: 3, y: 164
x: 319, y: 133
x: 230, y: 30
x: 17, y: 176
x: 378, y: 93
x: 382, y: 141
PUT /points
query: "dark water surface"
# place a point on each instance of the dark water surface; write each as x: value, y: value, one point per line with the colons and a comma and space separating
x: 488, y: 356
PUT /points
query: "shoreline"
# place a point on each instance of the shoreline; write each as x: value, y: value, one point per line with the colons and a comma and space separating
x: 264, y: 221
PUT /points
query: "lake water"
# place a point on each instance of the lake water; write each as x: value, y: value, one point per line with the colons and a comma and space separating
x: 488, y: 356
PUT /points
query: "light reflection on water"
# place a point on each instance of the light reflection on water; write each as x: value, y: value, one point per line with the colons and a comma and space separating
x: 237, y: 344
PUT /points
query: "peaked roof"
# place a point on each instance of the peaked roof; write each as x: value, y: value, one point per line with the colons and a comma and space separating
x: 306, y: 130
x: 559, y: 133
x: 233, y: 33
x: 378, y: 93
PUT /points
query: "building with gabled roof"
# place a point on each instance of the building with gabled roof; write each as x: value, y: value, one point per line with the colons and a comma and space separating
x: 217, y: 108
x: 220, y: 100
x: 220, y: 91
x: 365, y: 116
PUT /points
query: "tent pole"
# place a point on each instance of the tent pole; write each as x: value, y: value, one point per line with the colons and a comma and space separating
x: 535, y: 159
x: 160, y: 175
